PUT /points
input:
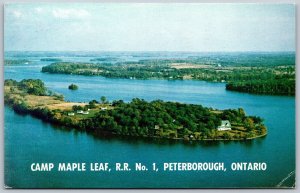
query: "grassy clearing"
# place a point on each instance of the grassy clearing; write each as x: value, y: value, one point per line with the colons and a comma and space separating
x: 64, y: 106
x: 40, y: 101
x: 189, y: 65
x: 50, y: 102
x: 91, y: 114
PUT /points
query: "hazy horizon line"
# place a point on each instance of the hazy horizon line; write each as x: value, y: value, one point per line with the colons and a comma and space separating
x: 145, y: 51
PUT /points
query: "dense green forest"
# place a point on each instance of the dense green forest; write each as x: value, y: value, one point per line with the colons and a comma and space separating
x: 15, y: 62
x: 154, y: 119
x: 253, y: 73
x: 274, y: 86
x: 171, y: 120
x: 247, y: 59
x: 29, y: 86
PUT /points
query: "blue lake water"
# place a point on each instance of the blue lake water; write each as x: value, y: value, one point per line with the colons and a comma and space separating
x: 29, y: 140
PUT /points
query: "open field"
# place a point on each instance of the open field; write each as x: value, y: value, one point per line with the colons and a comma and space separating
x: 189, y: 65
x: 64, y: 106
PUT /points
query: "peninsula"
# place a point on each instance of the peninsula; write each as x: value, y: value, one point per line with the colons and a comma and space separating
x: 139, y: 118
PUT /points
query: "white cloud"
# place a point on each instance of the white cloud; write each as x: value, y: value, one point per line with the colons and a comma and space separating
x: 17, y: 14
x: 70, y: 13
x: 38, y: 10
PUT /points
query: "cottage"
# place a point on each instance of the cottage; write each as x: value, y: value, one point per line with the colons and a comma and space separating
x: 80, y: 112
x: 225, y: 125
x: 71, y: 114
x: 85, y: 112
x: 103, y: 108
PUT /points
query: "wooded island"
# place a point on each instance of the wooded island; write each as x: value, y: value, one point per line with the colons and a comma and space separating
x: 155, y: 119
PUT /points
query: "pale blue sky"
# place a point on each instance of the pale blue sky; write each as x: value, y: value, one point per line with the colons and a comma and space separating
x: 149, y: 27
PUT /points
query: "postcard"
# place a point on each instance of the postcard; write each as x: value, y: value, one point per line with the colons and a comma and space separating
x: 149, y: 95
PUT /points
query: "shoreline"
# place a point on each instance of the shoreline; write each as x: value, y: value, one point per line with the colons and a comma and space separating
x: 254, y: 79
x: 110, y: 118
x: 110, y: 135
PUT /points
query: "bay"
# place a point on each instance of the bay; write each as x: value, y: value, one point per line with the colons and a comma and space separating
x: 29, y: 140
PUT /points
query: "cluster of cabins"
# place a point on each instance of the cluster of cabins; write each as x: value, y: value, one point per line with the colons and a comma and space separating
x: 84, y: 112
x: 79, y: 112
x: 224, y: 126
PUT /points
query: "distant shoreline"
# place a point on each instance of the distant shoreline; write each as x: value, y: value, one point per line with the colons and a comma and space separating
x: 269, y: 80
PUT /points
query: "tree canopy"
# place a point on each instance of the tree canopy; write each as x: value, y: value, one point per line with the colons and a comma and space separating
x: 73, y: 87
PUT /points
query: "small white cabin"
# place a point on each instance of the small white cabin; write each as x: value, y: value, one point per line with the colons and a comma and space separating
x: 103, y: 108
x: 225, y: 126
x: 80, y: 112
x: 71, y: 114
x: 85, y: 112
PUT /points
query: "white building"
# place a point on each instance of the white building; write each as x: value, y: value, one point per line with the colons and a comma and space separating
x: 225, y: 125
